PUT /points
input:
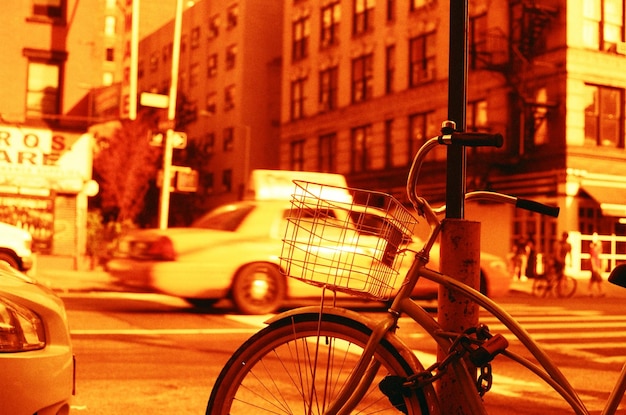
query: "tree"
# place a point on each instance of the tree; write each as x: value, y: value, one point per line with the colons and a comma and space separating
x: 125, y: 164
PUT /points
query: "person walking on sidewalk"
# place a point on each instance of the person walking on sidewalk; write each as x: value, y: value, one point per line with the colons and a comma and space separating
x: 595, y: 250
x: 561, y: 251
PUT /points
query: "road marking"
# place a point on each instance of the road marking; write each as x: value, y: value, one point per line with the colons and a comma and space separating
x: 168, y: 332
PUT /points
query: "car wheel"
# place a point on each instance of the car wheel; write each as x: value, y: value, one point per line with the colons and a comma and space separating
x: 258, y: 289
x: 202, y: 302
x: 9, y: 260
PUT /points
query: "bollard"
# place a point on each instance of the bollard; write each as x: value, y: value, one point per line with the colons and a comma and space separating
x: 460, y: 258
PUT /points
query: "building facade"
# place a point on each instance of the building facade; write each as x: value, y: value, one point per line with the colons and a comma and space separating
x: 365, y: 83
x: 228, y: 92
x: 52, y: 59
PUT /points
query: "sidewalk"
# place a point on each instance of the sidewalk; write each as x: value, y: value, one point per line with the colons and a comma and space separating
x: 610, y: 290
x: 60, y: 274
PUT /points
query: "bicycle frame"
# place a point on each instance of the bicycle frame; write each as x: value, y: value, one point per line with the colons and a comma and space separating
x: 402, y: 304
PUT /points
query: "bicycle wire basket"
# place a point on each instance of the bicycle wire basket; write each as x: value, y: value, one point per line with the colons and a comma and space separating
x: 345, y: 239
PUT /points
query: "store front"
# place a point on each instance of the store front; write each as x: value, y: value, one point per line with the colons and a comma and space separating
x: 45, y: 179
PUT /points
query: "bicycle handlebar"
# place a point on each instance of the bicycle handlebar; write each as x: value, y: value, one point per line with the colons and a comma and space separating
x: 472, y: 139
x: 469, y: 140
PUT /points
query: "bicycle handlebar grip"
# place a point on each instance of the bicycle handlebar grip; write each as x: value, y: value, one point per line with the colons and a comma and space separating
x: 473, y: 139
x: 538, y: 207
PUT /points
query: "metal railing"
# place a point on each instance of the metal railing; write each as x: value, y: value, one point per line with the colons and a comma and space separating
x: 613, y: 253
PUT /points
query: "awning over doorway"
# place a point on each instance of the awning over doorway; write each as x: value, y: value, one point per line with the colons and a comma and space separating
x: 612, y: 200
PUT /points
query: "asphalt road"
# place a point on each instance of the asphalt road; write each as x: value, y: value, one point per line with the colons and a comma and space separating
x: 144, y: 354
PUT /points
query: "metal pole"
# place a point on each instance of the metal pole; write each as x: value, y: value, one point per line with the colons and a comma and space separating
x: 457, y: 103
x: 164, y: 207
x: 460, y: 239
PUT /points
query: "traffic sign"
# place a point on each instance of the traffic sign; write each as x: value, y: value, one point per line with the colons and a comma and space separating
x: 179, y: 139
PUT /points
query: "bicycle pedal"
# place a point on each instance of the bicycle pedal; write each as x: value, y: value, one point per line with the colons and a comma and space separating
x: 393, y: 388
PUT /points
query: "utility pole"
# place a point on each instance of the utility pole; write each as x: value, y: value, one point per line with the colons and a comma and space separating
x: 164, y: 207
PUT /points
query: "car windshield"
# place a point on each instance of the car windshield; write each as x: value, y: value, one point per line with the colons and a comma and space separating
x: 224, y: 218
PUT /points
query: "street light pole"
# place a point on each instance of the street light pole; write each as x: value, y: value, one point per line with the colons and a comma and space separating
x: 164, y: 206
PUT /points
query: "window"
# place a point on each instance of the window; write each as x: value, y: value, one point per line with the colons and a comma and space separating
x: 391, y: 10
x: 211, y: 104
x: 229, y: 139
x: 331, y: 15
x: 231, y: 56
x: 362, y: 78
x: 154, y: 62
x: 421, y: 128
x: 390, y: 68
x: 421, y: 59
x: 232, y: 17
x: 298, y: 98
x: 301, y: 34
x: 109, y: 54
x: 603, y: 24
x: 229, y: 97
x: 212, y: 65
x: 107, y: 78
x: 296, y: 155
x: 208, y: 182
x: 418, y: 4
x: 327, y: 148
x: 603, y: 116
x: 195, y: 37
x: 208, y: 143
x: 227, y: 181
x: 363, y: 16
x: 477, y: 40
x: 389, y: 142
x: 50, y: 9
x: 476, y: 117
x: 194, y: 75
x: 43, y: 94
x: 328, y: 88
x: 361, y: 143
x: 109, y: 25
x: 166, y: 53
x: 214, y: 27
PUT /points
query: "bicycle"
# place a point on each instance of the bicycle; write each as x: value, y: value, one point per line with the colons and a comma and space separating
x: 550, y: 283
x: 331, y: 360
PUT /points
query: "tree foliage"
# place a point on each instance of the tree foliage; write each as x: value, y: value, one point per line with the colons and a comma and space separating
x: 125, y: 164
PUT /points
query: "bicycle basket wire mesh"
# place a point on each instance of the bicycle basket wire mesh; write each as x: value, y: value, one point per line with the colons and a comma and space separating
x: 345, y: 239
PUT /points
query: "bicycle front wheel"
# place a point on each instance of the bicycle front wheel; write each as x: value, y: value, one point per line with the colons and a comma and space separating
x: 566, y: 287
x: 300, y: 364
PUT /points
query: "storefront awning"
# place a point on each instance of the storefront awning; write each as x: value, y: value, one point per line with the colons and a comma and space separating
x: 612, y: 200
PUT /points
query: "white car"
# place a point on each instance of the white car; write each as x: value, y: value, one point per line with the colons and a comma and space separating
x: 36, y: 358
x: 15, y: 247
x: 233, y: 252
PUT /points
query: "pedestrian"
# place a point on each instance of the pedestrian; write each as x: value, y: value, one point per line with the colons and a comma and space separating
x: 595, y: 250
x: 531, y: 259
x: 562, y: 250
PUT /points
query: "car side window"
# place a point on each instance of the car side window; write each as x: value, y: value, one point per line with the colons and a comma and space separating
x: 224, y: 219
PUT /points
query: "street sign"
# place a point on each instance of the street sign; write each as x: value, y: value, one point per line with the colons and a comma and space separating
x: 179, y: 139
x: 148, y: 99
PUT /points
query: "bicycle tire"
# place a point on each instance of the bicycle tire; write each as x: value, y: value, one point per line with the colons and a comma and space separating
x: 540, y: 287
x: 566, y: 287
x: 273, y: 371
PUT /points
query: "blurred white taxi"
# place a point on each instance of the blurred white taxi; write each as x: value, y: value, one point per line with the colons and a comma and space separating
x: 233, y: 252
x: 36, y: 359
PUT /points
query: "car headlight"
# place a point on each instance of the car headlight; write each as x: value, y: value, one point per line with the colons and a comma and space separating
x: 20, y: 328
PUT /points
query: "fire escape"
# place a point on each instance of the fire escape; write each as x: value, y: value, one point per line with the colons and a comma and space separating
x: 515, y: 55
